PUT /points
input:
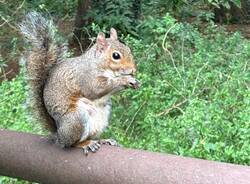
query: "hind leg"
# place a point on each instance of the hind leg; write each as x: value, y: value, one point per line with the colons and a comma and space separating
x: 71, y: 133
x: 86, y: 109
x: 70, y: 129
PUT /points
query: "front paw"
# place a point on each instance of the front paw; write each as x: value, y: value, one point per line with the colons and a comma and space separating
x: 131, y: 82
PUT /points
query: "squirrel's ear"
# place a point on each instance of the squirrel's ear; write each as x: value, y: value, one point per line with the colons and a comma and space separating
x: 101, y: 41
x: 113, y: 34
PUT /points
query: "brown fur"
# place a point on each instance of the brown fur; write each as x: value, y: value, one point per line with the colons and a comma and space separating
x: 73, y: 102
x: 44, y: 53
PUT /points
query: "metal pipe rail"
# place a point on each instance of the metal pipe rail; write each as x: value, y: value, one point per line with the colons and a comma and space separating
x: 34, y: 158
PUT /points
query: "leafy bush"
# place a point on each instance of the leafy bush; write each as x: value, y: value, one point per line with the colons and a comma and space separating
x: 13, y: 107
x: 114, y: 13
x: 185, y: 8
x: 194, y: 99
x: 11, y: 11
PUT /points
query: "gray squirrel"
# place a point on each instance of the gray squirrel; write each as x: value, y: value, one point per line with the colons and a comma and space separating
x: 72, y: 96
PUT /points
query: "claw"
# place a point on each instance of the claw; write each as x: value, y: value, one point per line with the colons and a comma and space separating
x: 89, y: 146
x: 85, y: 151
x: 110, y: 142
x: 92, y: 148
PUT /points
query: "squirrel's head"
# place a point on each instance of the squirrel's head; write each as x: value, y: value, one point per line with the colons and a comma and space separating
x: 117, y: 56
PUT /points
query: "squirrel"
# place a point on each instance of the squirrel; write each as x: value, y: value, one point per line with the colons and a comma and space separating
x: 72, y: 96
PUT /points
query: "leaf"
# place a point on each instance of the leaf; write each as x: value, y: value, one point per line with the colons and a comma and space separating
x: 237, y: 3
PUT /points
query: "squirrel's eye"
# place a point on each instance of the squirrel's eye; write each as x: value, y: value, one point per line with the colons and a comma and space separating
x: 116, y: 55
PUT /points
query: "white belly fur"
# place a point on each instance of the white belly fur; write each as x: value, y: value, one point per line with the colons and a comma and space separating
x: 95, y: 115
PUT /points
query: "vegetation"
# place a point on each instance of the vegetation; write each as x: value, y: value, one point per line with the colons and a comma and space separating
x: 195, y: 94
x: 194, y: 99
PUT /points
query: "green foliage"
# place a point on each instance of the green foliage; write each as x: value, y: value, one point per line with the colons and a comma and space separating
x: 57, y: 8
x: 13, y: 107
x: 225, y: 3
x: 160, y: 7
x: 184, y: 9
x: 194, y: 99
x: 113, y: 13
x: 8, y: 180
x: 11, y: 11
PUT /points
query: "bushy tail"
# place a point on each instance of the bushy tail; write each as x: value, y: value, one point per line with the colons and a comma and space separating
x: 45, y: 51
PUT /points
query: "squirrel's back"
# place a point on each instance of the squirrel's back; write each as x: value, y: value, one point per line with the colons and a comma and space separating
x: 45, y: 51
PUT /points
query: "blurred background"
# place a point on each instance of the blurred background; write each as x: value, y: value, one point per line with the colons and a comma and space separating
x: 193, y: 61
